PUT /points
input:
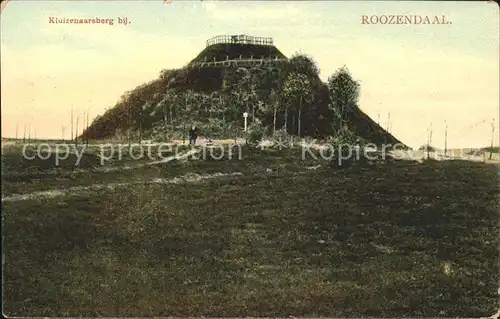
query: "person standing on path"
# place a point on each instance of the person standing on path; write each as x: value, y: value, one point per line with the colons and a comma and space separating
x: 193, y: 135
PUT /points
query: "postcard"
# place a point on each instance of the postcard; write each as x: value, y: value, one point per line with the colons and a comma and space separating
x: 176, y: 158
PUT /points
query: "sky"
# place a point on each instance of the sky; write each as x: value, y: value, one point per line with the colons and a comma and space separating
x: 411, y: 76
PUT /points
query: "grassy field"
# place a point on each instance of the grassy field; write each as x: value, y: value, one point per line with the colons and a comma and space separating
x: 389, y: 240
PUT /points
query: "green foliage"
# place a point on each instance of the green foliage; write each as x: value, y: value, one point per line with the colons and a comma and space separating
x: 255, y: 133
x: 346, y: 136
x: 298, y: 90
x: 303, y: 64
x: 344, y: 90
x: 280, y: 93
x: 297, y: 85
x: 345, y: 144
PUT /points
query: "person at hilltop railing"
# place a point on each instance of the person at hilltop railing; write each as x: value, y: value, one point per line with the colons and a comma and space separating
x: 193, y: 135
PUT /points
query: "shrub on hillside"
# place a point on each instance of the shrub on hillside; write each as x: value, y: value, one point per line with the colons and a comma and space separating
x: 347, y: 148
x: 282, y: 136
x: 255, y: 133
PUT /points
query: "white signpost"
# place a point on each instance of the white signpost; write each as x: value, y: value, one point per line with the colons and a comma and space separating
x: 245, y: 115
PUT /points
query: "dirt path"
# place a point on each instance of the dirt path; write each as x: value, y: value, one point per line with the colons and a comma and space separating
x: 165, y: 160
x: 125, y: 167
x: 78, y: 190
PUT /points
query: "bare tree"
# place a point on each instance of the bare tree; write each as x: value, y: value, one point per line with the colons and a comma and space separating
x: 164, y: 111
x: 25, y: 117
x: 87, y: 128
x: 187, y: 110
x: 430, y: 134
x: 170, y: 108
x: 492, y: 137
x: 129, y: 115
x: 388, y: 128
x: 445, y: 137
x: 76, y: 129
x: 17, y: 129
x: 71, y: 123
x: 429, y: 139
x: 83, y: 124
x: 274, y: 101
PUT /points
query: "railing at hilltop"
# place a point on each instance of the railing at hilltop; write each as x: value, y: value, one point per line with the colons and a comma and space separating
x: 238, y: 62
x: 240, y: 39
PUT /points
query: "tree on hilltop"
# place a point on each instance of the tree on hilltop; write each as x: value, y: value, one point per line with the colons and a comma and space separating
x: 303, y: 64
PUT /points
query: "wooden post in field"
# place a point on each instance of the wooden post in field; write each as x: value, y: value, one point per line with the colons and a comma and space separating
x: 427, y: 144
x: 17, y: 129
x: 184, y: 132
x: 430, y: 137
x: 492, y: 137
x: 430, y: 134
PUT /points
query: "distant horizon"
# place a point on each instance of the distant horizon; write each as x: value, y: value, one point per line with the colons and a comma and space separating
x: 411, y: 75
x: 93, y: 141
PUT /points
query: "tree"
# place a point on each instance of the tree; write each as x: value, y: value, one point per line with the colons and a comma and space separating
x: 142, y: 116
x: 171, y: 107
x: 189, y: 101
x: 298, y: 88
x: 301, y: 81
x: 303, y: 64
x: 246, y: 88
x: 71, y: 123
x: 267, y: 85
x: 217, y: 108
x: 167, y: 104
x: 273, y: 102
x: 87, y: 128
x: 76, y: 129
x: 344, y: 92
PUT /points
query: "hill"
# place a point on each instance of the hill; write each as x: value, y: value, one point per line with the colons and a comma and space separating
x: 215, y: 96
